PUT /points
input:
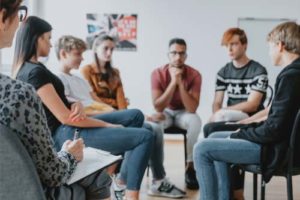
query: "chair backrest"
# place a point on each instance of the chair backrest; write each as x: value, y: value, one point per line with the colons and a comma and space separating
x: 269, y: 96
x: 18, y: 176
x: 294, y: 148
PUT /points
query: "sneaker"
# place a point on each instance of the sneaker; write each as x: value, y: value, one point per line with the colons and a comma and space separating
x: 164, y: 188
x: 118, y: 191
x: 191, y: 180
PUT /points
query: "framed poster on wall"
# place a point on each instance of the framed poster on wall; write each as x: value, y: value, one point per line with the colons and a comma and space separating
x: 122, y: 27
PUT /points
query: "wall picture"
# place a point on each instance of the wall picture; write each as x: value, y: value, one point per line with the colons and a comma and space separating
x: 122, y: 27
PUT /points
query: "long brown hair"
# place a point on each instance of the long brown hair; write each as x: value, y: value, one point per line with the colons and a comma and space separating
x: 111, y: 73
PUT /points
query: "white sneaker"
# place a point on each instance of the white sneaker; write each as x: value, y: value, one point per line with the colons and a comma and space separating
x: 164, y: 188
x: 118, y: 191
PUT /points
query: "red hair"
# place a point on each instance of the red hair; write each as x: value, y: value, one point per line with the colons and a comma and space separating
x: 227, y: 36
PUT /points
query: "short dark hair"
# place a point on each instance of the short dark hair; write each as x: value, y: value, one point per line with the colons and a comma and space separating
x: 11, y: 7
x: 26, y: 42
x: 179, y: 41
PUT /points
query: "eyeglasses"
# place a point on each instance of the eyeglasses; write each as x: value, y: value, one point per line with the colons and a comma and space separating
x: 180, y: 53
x: 22, y: 13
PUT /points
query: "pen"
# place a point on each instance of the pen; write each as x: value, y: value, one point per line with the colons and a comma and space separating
x: 76, y: 134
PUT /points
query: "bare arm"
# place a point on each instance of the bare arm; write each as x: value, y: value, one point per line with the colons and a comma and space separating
x: 189, y: 99
x: 249, y: 106
x: 218, y: 101
x: 162, y: 99
x: 53, y: 102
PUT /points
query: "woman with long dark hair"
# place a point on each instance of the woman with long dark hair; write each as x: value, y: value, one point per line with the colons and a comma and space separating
x: 105, y: 131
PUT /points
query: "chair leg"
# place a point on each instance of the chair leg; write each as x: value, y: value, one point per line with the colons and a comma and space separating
x: 289, y: 186
x: 147, y: 170
x: 254, y: 186
x: 262, y: 189
x: 185, y: 149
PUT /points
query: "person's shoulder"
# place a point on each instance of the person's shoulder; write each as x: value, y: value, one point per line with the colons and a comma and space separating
x: 116, y: 70
x: 160, y: 70
x: 19, y: 90
x: 88, y: 68
x: 292, y: 69
x: 192, y: 70
x: 257, y: 68
x: 227, y: 68
x: 29, y: 67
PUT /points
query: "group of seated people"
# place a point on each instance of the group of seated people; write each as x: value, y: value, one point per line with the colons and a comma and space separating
x: 45, y: 109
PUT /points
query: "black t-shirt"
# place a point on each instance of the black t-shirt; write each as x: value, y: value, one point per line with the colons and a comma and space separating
x: 239, y: 82
x: 38, y: 75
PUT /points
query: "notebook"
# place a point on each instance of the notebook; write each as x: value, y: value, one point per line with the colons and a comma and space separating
x: 93, y: 160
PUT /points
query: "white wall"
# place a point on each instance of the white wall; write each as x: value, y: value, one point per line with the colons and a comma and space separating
x: 200, y: 22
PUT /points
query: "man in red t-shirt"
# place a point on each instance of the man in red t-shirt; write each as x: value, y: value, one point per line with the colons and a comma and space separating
x: 175, y: 95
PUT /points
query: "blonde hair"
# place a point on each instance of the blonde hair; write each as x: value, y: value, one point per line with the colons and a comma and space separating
x: 289, y: 34
x: 68, y: 43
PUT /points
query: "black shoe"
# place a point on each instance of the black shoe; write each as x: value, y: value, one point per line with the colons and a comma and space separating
x: 191, y: 180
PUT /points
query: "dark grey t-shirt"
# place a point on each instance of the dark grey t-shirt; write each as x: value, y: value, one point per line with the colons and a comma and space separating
x: 239, y: 82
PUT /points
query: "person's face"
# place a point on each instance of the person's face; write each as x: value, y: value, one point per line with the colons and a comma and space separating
x: 235, y: 48
x: 44, y: 44
x: 73, y: 58
x: 177, y: 55
x: 8, y: 29
x: 274, y: 53
x: 105, y: 50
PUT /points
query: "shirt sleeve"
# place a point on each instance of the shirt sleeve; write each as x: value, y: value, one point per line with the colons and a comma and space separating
x: 196, y: 84
x: 53, y: 168
x: 66, y: 85
x: 220, y: 81
x: 86, y: 74
x: 120, y: 95
x: 155, y: 82
x: 38, y: 78
x: 260, y: 83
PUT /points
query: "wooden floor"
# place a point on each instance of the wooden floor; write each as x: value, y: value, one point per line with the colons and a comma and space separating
x: 275, y: 190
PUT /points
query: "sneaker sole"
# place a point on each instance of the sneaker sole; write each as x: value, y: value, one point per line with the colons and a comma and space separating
x: 166, y: 196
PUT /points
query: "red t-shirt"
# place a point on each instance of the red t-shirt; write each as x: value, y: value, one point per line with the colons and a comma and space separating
x: 161, y: 78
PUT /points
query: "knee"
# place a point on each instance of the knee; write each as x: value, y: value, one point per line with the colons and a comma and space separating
x: 148, y: 135
x: 194, y: 121
x: 207, y: 129
x: 137, y: 116
x: 201, y: 148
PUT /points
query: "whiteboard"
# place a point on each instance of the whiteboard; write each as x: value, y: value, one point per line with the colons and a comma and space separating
x: 257, y: 30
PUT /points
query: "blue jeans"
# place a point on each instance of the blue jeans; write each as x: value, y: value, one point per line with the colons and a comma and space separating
x: 156, y: 161
x: 212, y: 157
x: 132, y: 139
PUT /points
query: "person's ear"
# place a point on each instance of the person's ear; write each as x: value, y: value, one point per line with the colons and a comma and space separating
x: 281, y: 46
x: 2, y: 20
x: 62, y: 53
